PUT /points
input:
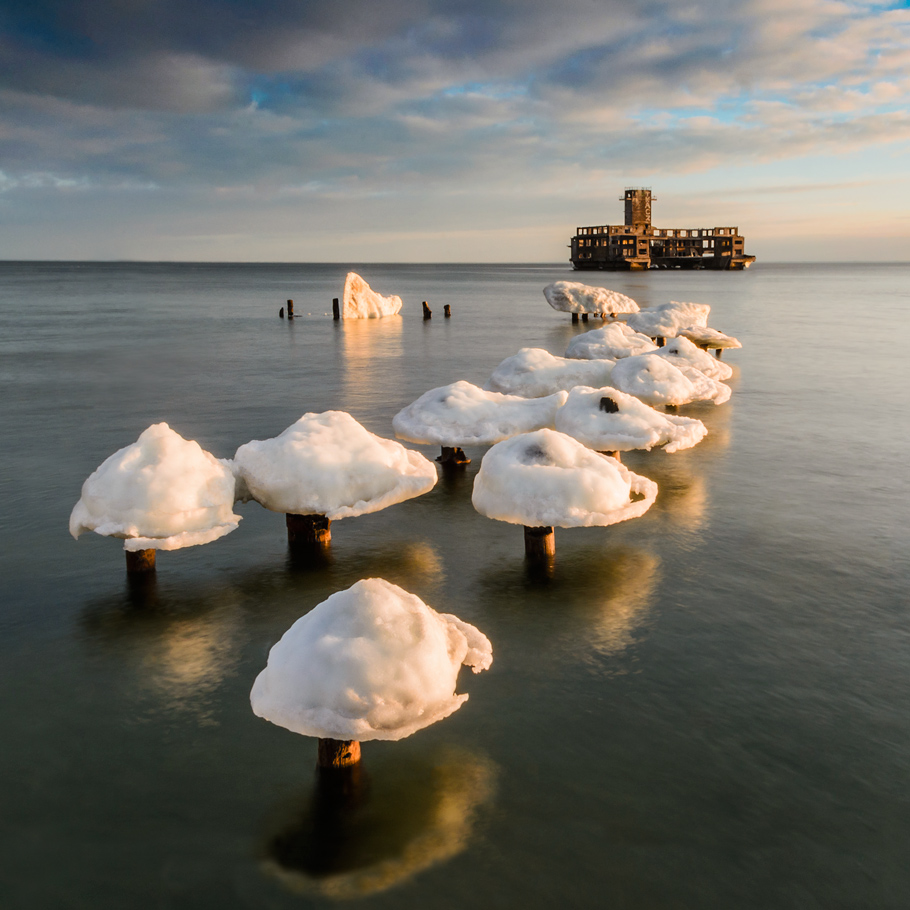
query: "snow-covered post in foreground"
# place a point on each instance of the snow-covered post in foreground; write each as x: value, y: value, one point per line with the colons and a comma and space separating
x: 163, y: 492
x: 324, y: 467
x: 371, y: 662
x: 546, y: 479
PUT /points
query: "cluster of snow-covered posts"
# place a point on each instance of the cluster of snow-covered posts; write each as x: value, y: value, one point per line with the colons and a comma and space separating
x: 375, y: 662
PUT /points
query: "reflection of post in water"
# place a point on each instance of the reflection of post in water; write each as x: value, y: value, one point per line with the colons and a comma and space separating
x: 372, y: 356
x: 357, y: 836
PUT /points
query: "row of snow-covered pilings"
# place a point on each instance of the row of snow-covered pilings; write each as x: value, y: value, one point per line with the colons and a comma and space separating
x: 336, y: 310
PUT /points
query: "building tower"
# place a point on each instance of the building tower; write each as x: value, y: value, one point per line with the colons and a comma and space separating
x: 638, y: 207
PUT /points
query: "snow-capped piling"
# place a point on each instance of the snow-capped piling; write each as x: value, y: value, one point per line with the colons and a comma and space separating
x: 576, y: 298
x: 371, y: 662
x: 360, y: 301
x: 655, y: 380
x: 536, y: 373
x: 706, y: 338
x: 327, y: 466
x: 163, y: 492
x: 546, y: 479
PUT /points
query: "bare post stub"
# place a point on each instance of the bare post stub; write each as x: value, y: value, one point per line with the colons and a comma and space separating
x: 336, y: 312
x: 453, y: 455
x: 540, y: 543
x: 290, y: 309
x: 308, y: 530
x: 139, y: 561
x: 338, y: 753
x: 427, y: 312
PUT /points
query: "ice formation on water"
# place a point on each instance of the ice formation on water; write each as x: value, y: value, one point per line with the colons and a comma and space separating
x: 666, y: 320
x: 462, y: 414
x: 534, y: 373
x: 362, y: 302
x: 371, y: 662
x: 680, y: 351
x: 163, y: 492
x: 655, y: 381
x: 709, y: 338
x: 609, y: 420
x: 328, y: 464
x: 574, y: 297
x: 548, y: 479
x: 614, y: 341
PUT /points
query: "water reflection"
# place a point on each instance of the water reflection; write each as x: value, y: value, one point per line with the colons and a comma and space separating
x: 353, y: 837
x: 372, y: 357
x: 181, y: 646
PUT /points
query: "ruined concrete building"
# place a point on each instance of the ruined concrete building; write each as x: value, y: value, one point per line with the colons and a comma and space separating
x: 638, y: 245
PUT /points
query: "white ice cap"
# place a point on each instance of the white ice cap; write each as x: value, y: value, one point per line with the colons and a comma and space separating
x: 680, y: 351
x: 655, y: 381
x: 163, y: 492
x: 611, y: 421
x: 328, y: 464
x: 371, y: 662
x: 362, y: 302
x: 462, y: 414
x: 614, y: 341
x: 708, y: 337
x: 666, y: 320
x: 534, y: 373
x: 548, y: 479
x: 574, y: 297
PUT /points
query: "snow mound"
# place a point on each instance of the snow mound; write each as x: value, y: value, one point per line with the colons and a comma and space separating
x: 655, y: 380
x: 574, y: 297
x: 681, y: 351
x: 709, y: 338
x: 362, y: 302
x: 548, y: 479
x: 534, y: 373
x: 462, y: 414
x: 611, y: 421
x: 328, y: 464
x: 666, y: 320
x: 612, y: 342
x: 371, y: 662
x: 163, y: 492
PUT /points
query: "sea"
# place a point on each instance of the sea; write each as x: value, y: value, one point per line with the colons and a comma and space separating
x: 705, y: 707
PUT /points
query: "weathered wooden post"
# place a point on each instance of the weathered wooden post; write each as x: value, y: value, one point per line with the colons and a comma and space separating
x: 311, y: 532
x: 336, y: 311
x: 290, y: 309
x: 584, y: 317
x: 281, y: 313
x: 540, y: 544
x: 447, y: 311
x: 660, y: 341
x: 338, y: 753
x: 718, y: 352
x: 453, y: 456
x: 575, y: 319
x: 140, y: 562
x: 427, y: 312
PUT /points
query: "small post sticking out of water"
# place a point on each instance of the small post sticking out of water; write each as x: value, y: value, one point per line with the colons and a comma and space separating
x: 290, y: 309
x: 336, y: 311
x: 338, y: 753
x: 139, y: 562
x: 427, y: 312
x: 584, y: 317
x: 453, y: 456
x: 281, y: 313
x: 611, y: 453
x: 309, y: 531
x: 447, y: 310
x: 540, y: 544
x: 660, y: 341
x: 717, y: 353
x: 575, y: 319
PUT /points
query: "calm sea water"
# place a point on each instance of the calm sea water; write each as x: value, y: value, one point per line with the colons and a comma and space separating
x: 708, y: 707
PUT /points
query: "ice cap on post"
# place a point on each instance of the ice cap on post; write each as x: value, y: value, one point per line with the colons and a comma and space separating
x: 657, y: 381
x: 612, y: 342
x: 535, y: 373
x: 360, y: 301
x: 666, y: 320
x: 575, y: 297
x: 370, y: 662
x: 681, y: 352
x: 163, y: 492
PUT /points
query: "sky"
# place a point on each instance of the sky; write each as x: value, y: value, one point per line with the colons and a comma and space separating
x: 448, y: 130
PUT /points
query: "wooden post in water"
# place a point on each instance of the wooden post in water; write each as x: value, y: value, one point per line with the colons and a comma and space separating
x: 427, y: 312
x: 447, y: 310
x: 717, y: 353
x: 575, y: 319
x: 584, y: 317
x: 290, y: 309
x: 281, y: 313
x: 139, y: 562
x: 453, y: 456
x: 336, y: 311
x: 540, y: 544
x: 660, y: 341
x: 338, y: 753
x: 309, y: 531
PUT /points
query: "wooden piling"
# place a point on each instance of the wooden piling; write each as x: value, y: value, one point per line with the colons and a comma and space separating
x: 660, y: 341
x: 139, y: 562
x: 717, y: 352
x: 575, y: 319
x: 312, y: 531
x: 447, y: 311
x: 584, y: 317
x: 338, y: 753
x: 611, y: 453
x: 427, y: 312
x: 290, y: 309
x: 453, y: 456
x: 281, y: 313
x: 540, y: 544
x: 336, y: 310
